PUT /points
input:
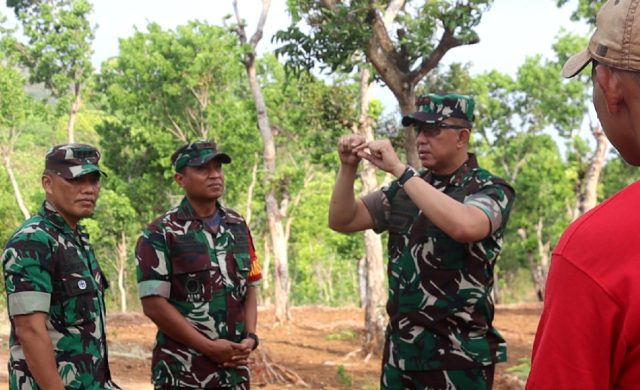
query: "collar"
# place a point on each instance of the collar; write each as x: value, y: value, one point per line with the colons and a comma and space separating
x: 185, y: 211
x: 48, y: 212
x: 455, y: 178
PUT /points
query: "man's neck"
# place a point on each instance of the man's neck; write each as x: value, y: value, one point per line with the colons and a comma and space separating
x: 203, y: 209
x: 454, y: 166
x: 72, y: 222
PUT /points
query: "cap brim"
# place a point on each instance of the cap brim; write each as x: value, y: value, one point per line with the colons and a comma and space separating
x: 576, y: 63
x: 222, y: 157
x: 80, y: 170
x: 420, y: 117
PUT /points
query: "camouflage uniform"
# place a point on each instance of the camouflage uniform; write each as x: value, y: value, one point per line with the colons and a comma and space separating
x: 440, y: 304
x: 204, y: 273
x: 50, y: 268
x: 440, y: 333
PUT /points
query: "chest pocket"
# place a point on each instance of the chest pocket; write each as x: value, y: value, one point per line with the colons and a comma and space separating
x: 240, y: 251
x: 403, y: 213
x: 193, y: 275
x: 79, y: 295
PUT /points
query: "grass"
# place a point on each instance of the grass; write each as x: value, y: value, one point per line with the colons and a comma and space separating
x: 343, y: 335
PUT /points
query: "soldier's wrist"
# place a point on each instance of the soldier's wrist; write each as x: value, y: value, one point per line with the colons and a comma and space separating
x: 408, y: 173
x: 254, y: 337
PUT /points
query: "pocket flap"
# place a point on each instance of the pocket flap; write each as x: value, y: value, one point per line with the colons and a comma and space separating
x: 79, y: 285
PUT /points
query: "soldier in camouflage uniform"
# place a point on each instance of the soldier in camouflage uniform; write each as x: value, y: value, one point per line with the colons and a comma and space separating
x: 54, y: 284
x: 445, y: 227
x: 197, y: 278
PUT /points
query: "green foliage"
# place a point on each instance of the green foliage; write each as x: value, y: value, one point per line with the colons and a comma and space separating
x: 59, y: 42
x: 332, y: 36
x: 115, y: 220
x: 323, y: 263
x: 343, y: 376
x: 586, y: 10
x: 343, y: 335
x: 616, y: 175
x: 521, y: 370
x: 165, y: 88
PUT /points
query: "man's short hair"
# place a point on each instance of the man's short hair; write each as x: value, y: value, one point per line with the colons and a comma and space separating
x: 616, y: 41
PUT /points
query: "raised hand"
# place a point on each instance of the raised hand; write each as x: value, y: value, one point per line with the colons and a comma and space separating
x: 346, y: 146
x: 381, y: 154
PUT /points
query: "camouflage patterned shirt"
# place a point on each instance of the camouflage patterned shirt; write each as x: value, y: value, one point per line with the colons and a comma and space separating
x: 50, y: 268
x: 440, y: 304
x: 204, y: 272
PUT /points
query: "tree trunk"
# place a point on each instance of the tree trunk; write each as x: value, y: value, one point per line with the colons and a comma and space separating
x: 266, y: 274
x: 589, y: 196
x: 281, y: 282
x: 122, y: 266
x: 375, y: 315
x: 73, y: 113
x: 539, y: 269
x: 6, y: 159
x: 407, y: 106
x: 362, y: 282
x: 254, y: 177
x: 274, y: 215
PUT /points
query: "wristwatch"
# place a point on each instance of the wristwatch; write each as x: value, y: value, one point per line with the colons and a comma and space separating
x: 255, y: 338
x: 408, y: 173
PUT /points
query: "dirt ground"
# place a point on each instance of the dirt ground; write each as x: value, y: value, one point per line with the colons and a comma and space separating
x: 320, y: 346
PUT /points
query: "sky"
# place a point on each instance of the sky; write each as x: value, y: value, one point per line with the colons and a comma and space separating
x: 509, y: 32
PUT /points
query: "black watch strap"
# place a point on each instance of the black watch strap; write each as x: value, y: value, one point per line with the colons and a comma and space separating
x: 255, y: 338
x: 408, y: 173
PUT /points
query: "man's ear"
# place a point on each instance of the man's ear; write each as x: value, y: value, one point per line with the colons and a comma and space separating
x: 463, y: 137
x: 612, y: 86
x: 178, y: 177
x: 47, y: 183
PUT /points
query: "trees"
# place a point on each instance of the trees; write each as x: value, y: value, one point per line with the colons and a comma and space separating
x: 338, y: 30
x: 58, y: 51
x: 275, y: 209
x: 339, y: 36
x: 14, y: 112
x: 167, y: 87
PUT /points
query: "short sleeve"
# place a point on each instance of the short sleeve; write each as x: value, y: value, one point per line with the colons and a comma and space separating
x: 377, y: 203
x: 27, y: 262
x: 152, y: 264
x: 495, y: 201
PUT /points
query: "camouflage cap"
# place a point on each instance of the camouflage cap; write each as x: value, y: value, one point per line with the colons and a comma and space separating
x: 615, y: 42
x: 197, y: 153
x: 434, y: 108
x: 73, y: 160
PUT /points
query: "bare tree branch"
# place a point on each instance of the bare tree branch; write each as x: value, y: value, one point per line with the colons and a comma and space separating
x: 447, y: 42
x: 392, y: 11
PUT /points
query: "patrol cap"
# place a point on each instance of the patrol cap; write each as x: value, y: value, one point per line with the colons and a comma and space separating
x: 615, y: 42
x: 73, y: 160
x: 434, y: 108
x: 197, y: 153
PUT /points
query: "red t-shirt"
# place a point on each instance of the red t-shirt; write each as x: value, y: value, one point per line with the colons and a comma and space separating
x: 589, y: 332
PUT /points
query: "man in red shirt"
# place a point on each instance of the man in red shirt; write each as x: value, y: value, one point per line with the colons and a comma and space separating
x: 589, y: 332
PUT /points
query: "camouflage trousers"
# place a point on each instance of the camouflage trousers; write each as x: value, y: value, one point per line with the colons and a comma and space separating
x: 393, y: 378
x: 480, y: 378
x: 241, y: 386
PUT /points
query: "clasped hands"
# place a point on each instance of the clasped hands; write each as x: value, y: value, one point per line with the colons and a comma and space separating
x: 353, y: 148
x: 230, y: 354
